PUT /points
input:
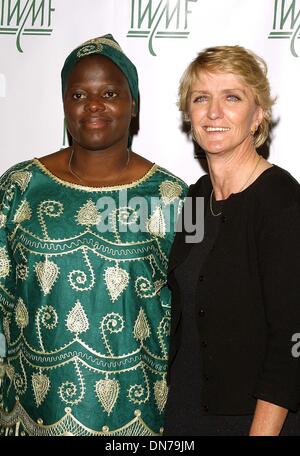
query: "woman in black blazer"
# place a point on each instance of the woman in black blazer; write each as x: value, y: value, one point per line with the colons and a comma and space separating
x: 234, y: 361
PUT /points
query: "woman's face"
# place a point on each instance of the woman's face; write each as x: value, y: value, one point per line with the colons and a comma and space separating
x: 98, y: 104
x: 222, y: 111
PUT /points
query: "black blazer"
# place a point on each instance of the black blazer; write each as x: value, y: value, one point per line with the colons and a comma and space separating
x: 248, y: 297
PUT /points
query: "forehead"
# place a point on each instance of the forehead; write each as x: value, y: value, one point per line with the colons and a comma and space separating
x: 217, y: 80
x: 96, y: 67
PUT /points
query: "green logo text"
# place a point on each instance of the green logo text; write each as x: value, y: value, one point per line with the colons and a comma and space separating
x: 25, y: 17
x: 286, y: 22
x: 159, y: 19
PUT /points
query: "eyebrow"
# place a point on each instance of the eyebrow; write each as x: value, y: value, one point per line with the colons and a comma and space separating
x: 223, y: 91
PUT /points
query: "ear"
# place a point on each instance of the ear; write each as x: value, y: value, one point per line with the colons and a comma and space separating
x: 186, y: 117
x: 133, y: 111
x: 259, y: 116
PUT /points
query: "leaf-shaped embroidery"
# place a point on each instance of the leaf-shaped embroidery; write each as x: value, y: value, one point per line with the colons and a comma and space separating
x: 77, y: 321
x: 4, y: 263
x: 156, y: 223
x: 21, y: 314
x: 170, y: 191
x: 23, y: 212
x: 47, y: 272
x: 107, y: 391
x: 3, y: 219
x: 21, y: 178
x: 161, y: 394
x: 88, y: 214
x: 141, y: 329
x: 116, y: 280
x: 40, y: 385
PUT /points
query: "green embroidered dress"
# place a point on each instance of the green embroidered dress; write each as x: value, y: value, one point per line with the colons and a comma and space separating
x: 84, y: 306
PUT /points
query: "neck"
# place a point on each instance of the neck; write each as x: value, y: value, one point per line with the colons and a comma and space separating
x: 98, y: 166
x: 233, y: 172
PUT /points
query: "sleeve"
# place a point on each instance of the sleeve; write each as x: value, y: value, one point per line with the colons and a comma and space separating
x: 7, y: 270
x: 279, y: 267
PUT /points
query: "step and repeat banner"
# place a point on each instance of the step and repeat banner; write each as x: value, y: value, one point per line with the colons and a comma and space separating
x: 161, y: 37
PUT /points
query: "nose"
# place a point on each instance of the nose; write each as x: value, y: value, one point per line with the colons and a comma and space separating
x: 95, y: 104
x: 214, y: 109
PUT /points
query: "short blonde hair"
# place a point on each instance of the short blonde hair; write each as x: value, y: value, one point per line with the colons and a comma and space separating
x: 242, y: 62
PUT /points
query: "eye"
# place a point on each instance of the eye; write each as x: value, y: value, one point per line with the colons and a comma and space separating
x: 110, y: 94
x: 78, y: 96
x: 233, y: 98
x: 200, y: 99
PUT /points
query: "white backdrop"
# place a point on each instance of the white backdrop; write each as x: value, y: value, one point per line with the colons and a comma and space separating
x: 47, y: 30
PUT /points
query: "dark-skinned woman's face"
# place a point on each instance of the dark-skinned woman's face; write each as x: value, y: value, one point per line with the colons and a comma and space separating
x: 98, y: 104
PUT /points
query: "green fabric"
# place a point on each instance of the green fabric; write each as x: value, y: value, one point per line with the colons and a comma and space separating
x: 85, y: 314
x: 107, y: 46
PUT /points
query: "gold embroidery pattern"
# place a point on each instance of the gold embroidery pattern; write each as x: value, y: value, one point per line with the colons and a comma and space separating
x: 23, y: 212
x: 84, y: 188
x: 123, y: 216
x: 20, y: 380
x: 22, y: 271
x: 47, y: 273
x: 77, y: 321
x: 147, y: 289
x: 46, y: 315
x: 89, y: 49
x: 112, y: 323
x: 51, y: 209
x: 141, y: 329
x: 22, y: 179
x: 21, y: 315
x: 78, y: 279
x: 116, y: 280
x: 3, y: 219
x: 69, y: 425
x: 161, y: 394
x: 88, y: 214
x: 107, y: 391
x: 163, y: 331
x: 68, y: 390
x: 4, y: 263
x: 156, y: 224
x: 95, y: 45
x: 139, y: 394
x: 170, y: 191
x: 41, y: 386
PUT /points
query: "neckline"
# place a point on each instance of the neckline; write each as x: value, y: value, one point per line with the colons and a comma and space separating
x: 86, y: 188
x: 243, y: 192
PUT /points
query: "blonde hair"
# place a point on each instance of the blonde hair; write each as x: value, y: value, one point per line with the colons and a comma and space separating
x: 251, y: 68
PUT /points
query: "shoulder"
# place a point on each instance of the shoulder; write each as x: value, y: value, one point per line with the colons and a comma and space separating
x: 169, y: 181
x: 17, y: 173
x: 276, y: 190
x: 201, y: 187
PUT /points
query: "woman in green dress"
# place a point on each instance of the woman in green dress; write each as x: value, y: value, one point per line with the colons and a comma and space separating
x: 85, y: 235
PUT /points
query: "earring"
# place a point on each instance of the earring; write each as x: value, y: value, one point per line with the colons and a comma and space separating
x: 192, y: 133
x: 254, y: 130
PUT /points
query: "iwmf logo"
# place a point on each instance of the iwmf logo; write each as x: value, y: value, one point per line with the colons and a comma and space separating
x: 286, y: 22
x: 25, y: 17
x: 159, y: 19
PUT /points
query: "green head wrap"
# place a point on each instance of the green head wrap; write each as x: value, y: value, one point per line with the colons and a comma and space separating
x: 107, y: 46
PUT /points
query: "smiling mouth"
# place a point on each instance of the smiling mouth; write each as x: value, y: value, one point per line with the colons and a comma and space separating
x: 216, y: 129
x: 97, y: 122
